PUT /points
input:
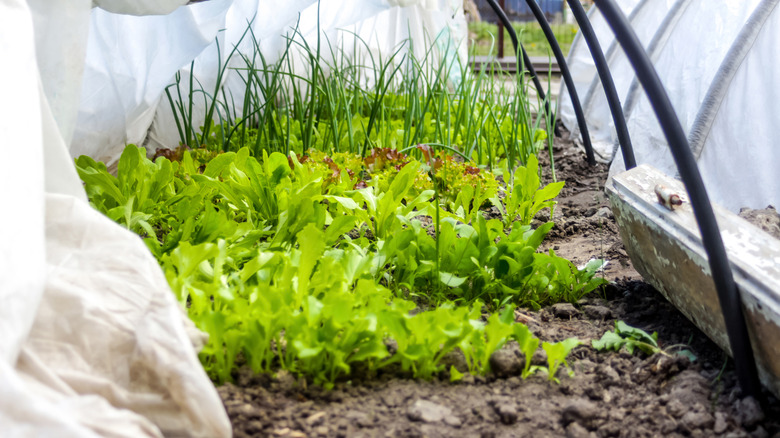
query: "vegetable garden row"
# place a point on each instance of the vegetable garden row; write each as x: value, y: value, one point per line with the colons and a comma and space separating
x: 292, y: 266
x: 352, y: 225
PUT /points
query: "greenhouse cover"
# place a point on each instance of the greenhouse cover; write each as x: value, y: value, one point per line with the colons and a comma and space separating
x: 716, y: 60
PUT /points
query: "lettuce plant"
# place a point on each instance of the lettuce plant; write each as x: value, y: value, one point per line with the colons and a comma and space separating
x: 556, y: 356
x: 262, y: 254
x: 526, y: 197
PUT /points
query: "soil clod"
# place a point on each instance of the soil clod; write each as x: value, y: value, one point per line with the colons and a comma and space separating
x: 428, y: 412
x: 564, y: 311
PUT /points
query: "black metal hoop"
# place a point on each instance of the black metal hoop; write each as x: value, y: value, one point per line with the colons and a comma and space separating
x: 526, y: 59
x: 728, y: 294
x: 613, y: 100
x: 575, y: 100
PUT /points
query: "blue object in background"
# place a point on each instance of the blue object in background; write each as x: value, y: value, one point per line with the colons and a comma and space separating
x: 518, y: 10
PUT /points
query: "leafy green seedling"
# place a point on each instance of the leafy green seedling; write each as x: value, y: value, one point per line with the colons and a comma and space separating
x: 629, y: 337
x: 528, y: 345
x: 633, y: 338
x: 455, y: 375
x: 556, y: 356
x: 526, y: 197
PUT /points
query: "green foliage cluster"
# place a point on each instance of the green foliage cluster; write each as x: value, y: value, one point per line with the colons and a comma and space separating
x: 634, y: 339
x: 483, y: 38
x: 451, y: 175
x: 335, y: 99
x: 278, y: 265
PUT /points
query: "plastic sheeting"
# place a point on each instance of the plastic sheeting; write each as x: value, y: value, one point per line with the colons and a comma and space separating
x: 94, y: 342
x: 23, y: 260
x: 122, y: 98
x: 645, y: 18
x: 581, y: 64
x: 739, y: 156
x: 715, y: 61
x: 686, y: 64
x: 124, y: 77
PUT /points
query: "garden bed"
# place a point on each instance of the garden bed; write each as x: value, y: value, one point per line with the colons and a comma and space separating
x: 610, y: 393
x: 357, y: 258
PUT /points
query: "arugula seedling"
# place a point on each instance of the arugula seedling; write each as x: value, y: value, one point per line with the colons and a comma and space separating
x: 632, y: 338
x: 528, y: 345
x: 526, y: 197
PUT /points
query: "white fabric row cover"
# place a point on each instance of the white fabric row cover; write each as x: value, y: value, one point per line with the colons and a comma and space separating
x: 122, y: 98
x: 94, y: 342
x: 714, y: 58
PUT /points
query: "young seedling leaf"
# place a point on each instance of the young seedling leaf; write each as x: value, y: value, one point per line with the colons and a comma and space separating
x: 630, y: 338
x: 455, y: 375
x: 557, y: 354
x: 451, y: 280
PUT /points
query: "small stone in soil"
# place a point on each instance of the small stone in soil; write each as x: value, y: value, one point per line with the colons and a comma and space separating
x: 539, y: 357
x: 316, y: 419
x: 608, y: 375
x: 576, y: 430
x: 505, y: 363
x: 564, y: 310
x: 581, y: 411
x: 428, y: 412
x: 666, y: 365
x: 676, y: 408
x: 453, y: 421
x: 360, y: 418
x: 286, y: 381
x: 720, y: 423
x: 696, y: 420
x: 254, y: 427
x: 604, y: 212
x: 248, y: 411
x: 597, y: 312
x: 514, y: 382
x: 668, y: 425
x: 507, y: 412
x: 391, y: 399
x: 748, y: 412
x: 610, y: 429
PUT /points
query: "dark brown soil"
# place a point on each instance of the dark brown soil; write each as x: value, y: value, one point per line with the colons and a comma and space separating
x: 766, y: 219
x: 610, y: 394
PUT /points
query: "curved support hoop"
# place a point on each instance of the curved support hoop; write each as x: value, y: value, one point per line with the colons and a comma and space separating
x: 606, y: 80
x: 575, y: 100
x: 526, y: 60
x: 728, y: 294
